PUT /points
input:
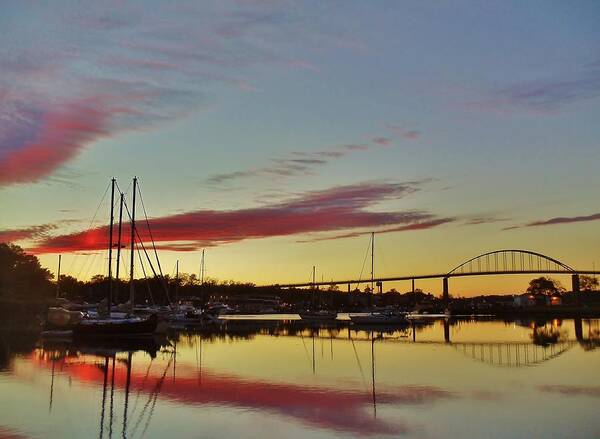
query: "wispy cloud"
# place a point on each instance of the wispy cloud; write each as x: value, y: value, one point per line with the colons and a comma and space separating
x: 334, y: 209
x: 417, y: 221
x: 32, y: 232
x: 486, y: 219
x: 403, y: 132
x: 298, y: 162
x: 558, y: 220
x: 107, y: 70
x: 544, y: 95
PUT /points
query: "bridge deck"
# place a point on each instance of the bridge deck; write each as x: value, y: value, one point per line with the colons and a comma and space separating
x: 434, y: 276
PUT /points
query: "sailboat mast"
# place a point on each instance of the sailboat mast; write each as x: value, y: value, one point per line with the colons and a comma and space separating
x: 177, y: 282
x: 58, y: 278
x: 119, y: 242
x: 110, y: 243
x: 131, y: 287
x: 372, y: 260
x: 202, y: 269
x: 314, y: 287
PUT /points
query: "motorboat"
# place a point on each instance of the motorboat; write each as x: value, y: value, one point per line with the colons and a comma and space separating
x: 379, y: 318
x: 318, y: 316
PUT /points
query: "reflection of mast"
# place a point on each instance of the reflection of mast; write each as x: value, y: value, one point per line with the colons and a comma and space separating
x: 103, y: 396
x: 112, y: 397
x: 313, y: 351
x: 127, y: 384
x: 174, y: 360
x: 52, y: 383
x: 199, y: 359
x: 373, y: 375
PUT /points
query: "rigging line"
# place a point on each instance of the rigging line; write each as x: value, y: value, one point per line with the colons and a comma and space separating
x: 145, y: 277
x: 162, y: 278
x: 149, y: 231
x: 89, y: 266
x: 119, y: 187
x: 93, y: 219
x: 364, y: 261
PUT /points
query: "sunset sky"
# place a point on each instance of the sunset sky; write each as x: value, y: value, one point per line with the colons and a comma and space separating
x: 278, y: 134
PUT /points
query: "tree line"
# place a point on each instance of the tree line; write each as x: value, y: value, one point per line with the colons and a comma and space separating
x: 22, y: 278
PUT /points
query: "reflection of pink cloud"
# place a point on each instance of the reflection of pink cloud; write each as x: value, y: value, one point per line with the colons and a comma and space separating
x: 60, y: 134
x: 328, y: 210
x: 571, y: 390
x: 8, y: 433
x: 323, y: 407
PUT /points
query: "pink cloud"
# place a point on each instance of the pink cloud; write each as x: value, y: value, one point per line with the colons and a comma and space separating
x: 13, y: 235
x: 558, y: 220
x: 382, y: 141
x: 333, y: 209
x: 60, y: 135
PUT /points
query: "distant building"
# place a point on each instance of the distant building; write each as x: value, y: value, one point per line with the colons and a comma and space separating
x: 537, y: 299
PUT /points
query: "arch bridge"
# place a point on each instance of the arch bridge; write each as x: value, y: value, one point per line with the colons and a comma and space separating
x: 498, y: 262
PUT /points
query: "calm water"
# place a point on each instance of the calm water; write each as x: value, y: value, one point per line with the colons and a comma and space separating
x: 282, y: 379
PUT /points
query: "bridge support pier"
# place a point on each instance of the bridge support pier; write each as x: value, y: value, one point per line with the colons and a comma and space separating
x: 575, y: 287
x: 446, y: 295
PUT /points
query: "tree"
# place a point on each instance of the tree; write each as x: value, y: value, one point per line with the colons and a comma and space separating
x: 544, y: 285
x: 21, y: 274
x: 70, y: 287
x: 588, y: 283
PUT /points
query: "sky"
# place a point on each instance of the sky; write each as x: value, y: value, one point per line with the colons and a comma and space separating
x: 277, y: 135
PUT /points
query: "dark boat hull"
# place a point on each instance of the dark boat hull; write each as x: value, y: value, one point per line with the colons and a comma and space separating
x: 116, y: 328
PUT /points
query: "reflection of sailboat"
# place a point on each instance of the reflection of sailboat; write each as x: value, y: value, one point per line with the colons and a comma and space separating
x: 106, y: 359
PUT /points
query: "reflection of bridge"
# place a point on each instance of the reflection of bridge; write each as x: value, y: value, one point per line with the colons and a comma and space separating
x: 514, y: 354
x: 499, y: 262
x: 546, y: 343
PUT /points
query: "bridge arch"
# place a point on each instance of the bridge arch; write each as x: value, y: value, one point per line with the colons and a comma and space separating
x: 510, y: 260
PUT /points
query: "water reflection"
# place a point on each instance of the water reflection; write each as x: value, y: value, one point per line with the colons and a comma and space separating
x: 358, y: 380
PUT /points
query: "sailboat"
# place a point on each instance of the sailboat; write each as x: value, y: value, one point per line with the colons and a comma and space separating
x: 317, y: 315
x: 384, y: 317
x: 131, y: 325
